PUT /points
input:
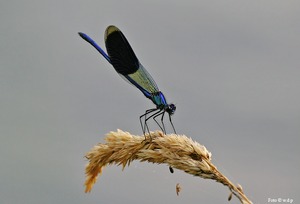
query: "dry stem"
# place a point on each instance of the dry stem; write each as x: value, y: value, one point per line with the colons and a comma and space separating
x: 177, y: 151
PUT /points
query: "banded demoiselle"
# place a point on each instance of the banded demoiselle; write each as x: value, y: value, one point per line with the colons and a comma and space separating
x: 123, y: 59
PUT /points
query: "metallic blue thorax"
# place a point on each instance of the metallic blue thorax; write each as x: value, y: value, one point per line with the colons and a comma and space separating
x: 159, y: 100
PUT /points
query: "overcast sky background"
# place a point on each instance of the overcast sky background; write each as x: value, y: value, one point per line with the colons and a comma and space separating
x: 231, y: 67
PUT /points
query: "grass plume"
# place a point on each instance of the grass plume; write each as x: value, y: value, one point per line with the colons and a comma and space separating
x: 177, y: 151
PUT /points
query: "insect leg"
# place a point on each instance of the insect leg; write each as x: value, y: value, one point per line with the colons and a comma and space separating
x: 162, y: 127
x: 151, y: 116
x: 172, y: 124
x: 145, y: 115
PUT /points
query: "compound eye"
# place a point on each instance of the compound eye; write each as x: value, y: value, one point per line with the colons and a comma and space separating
x: 172, y: 108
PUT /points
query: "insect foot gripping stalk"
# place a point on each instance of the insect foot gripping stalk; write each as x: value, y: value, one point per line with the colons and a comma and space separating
x: 178, y: 151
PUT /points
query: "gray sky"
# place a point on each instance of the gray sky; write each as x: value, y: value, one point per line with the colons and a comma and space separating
x: 231, y: 67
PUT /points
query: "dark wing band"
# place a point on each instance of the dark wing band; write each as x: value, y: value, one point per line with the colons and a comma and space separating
x: 120, y: 52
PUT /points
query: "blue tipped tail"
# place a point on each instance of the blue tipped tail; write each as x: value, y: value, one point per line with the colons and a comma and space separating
x: 95, y: 45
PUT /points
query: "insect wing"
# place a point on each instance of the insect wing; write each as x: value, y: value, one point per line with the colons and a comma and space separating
x: 126, y: 63
x: 120, y: 52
